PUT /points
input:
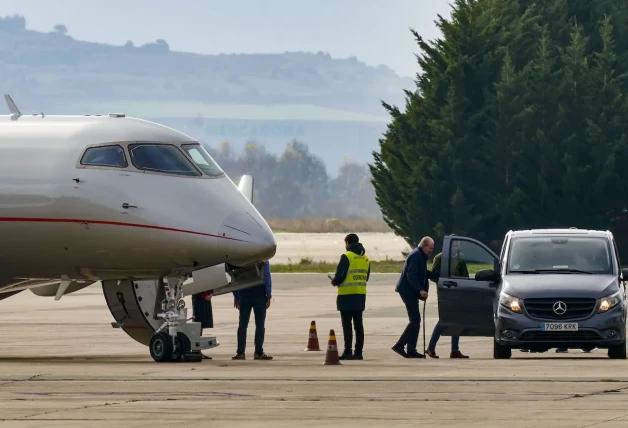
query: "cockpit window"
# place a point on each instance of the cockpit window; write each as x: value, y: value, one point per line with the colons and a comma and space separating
x: 203, y: 160
x: 163, y: 158
x: 112, y: 156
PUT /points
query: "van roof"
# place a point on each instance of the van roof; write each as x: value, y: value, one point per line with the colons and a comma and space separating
x: 562, y: 232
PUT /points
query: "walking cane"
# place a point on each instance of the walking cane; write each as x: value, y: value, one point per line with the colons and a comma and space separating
x: 424, y: 326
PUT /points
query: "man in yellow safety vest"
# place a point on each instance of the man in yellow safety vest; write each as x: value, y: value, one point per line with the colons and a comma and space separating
x: 352, y: 273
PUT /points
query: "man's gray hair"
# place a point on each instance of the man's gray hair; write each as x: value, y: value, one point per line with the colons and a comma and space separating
x: 425, y: 241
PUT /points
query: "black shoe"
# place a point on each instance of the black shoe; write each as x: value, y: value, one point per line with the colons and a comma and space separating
x: 346, y: 356
x: 261, y: 356
x: 415, y: 354
x: 399, y: 350
x: 357, y: 356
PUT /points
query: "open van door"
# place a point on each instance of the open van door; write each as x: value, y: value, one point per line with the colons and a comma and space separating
x: 466, y: 306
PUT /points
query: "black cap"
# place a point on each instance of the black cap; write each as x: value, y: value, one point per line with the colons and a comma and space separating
x: 352, y: 238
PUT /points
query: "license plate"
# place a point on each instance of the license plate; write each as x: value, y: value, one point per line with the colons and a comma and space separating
x: 559, y: 326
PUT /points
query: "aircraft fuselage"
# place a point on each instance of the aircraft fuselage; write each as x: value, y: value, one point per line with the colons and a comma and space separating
x: 62, y: 218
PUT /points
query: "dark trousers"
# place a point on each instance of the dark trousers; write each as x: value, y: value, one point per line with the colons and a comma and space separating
x: 258, y: 305
x: 410, y: 335
x: 438, y: 330
x: 347, y: 331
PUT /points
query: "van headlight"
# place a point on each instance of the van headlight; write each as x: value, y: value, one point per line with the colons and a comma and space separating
x: 609, y: 302
x: 509, y: 302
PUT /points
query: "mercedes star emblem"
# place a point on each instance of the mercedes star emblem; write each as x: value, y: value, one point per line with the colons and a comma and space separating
x: 560, y: 308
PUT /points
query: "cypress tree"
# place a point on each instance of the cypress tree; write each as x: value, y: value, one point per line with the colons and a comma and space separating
x: 518, y: 120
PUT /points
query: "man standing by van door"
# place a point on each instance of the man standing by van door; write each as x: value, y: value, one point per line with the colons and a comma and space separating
x: 352, y: 274
x: 459, y: 269
x: 412, y: 286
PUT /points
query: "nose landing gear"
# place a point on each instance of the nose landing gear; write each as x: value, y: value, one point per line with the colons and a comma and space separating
x: 168, y: 343
x: 153, y: 313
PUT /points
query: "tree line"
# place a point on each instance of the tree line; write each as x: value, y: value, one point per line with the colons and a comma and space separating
x: 296, y: 185
x: 519, y: 120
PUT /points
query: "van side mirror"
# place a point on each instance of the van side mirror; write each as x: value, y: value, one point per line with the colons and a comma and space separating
x: 624, y: 274
x: 486, y: 275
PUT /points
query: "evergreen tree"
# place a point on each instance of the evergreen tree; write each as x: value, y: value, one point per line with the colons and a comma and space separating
x: 518, y: 120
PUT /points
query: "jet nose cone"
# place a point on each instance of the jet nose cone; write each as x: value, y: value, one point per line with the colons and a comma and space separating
x: 246, y: 238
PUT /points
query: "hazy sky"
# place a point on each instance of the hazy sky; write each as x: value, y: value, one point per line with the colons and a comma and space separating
x: 374, y: 31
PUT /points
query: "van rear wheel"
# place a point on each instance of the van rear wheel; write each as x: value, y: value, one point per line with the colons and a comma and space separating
x: 501, y: 352
x: 617, y: 352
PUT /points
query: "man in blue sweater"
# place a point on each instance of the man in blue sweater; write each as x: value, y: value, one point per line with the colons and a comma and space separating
x: 412, y: 286
x: 257, y: 299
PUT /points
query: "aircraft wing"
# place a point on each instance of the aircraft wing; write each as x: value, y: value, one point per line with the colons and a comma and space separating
x: 45, y: 287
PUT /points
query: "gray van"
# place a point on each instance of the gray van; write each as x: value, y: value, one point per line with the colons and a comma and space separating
x: 549, y: 288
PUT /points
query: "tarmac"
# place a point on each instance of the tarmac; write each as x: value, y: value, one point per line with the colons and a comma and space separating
x: 62, y: 365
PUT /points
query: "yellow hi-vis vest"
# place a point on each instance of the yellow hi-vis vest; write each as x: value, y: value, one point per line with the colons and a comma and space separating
x: 355, y: 282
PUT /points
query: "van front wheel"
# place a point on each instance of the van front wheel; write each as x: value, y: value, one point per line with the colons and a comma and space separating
x: 617, y: 352
x: 501, y: 352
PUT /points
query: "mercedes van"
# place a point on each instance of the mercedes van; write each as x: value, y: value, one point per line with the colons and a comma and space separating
x: 550, y: 288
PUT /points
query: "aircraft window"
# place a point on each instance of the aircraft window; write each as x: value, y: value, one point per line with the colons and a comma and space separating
x: 161, y: 158
x: 112, y: 156
x: 203, y: 160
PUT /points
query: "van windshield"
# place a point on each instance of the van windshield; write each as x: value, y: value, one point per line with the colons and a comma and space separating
x: 203, y: 160
x: 560, y: 254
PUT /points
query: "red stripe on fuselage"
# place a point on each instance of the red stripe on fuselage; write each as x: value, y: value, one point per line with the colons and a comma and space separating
x: 110, y: 223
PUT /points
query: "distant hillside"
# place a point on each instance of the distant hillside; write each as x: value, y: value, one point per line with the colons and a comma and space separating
x: 55, y: 72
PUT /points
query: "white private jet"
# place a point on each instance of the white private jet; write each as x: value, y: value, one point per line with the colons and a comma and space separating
x: 136, y: 205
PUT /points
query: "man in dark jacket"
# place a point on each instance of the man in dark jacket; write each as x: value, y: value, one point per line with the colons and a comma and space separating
x: 412, y: 286
x: 202, y: 312
x: 257, y: 299
x: 352, y: 273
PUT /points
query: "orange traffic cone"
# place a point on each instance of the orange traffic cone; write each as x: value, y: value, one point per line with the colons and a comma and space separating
x: 331, y: 358
x: 312, y: 341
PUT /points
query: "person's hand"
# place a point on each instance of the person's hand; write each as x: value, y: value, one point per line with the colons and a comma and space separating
x: 208, y: 298
x: 423, y: 295
x: 236, y: 304
x: 268, y: 304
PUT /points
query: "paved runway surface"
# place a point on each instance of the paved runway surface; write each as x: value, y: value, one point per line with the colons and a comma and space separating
x: 62, y: 365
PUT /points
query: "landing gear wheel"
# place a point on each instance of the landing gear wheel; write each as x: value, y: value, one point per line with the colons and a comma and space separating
x: 501, y: 352
x: 176, y: 350
x: 617, y: 352
x: 182, y: 347
x: 187, y: 355
x: 161, y: 347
